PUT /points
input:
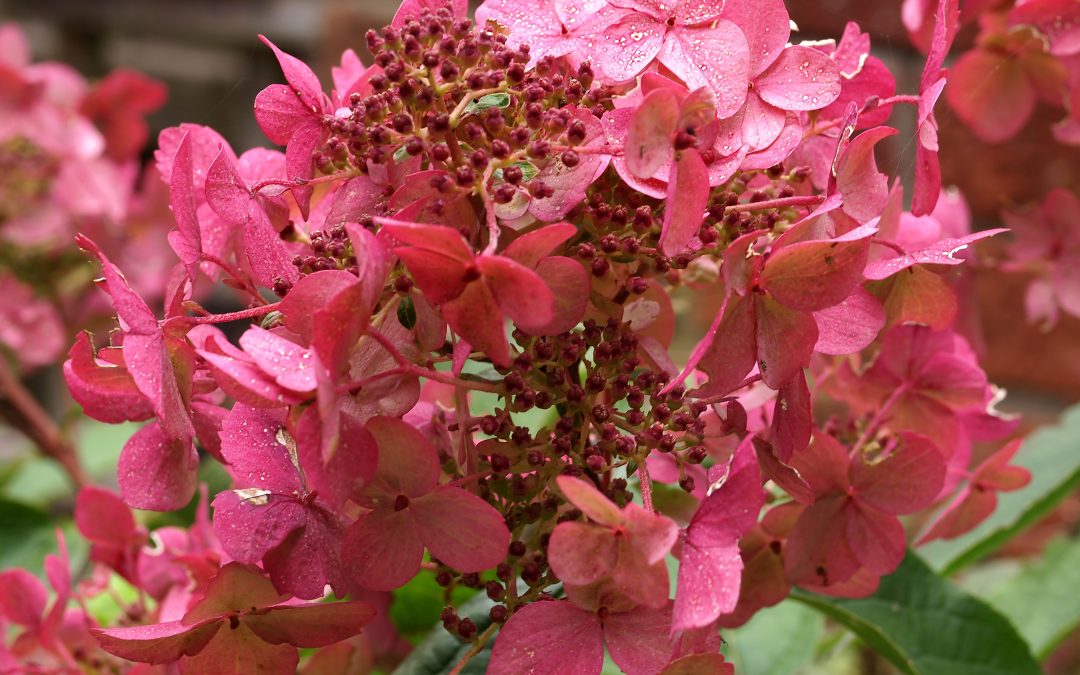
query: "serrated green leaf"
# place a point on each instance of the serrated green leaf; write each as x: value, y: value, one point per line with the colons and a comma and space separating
x: 925, y: 625
x: 1041, y: 600
x: 777, y: 641
x: 1052, y: 455
x: 496, y: 100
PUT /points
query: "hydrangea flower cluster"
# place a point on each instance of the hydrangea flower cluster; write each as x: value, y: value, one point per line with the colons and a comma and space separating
x: 477, y: 244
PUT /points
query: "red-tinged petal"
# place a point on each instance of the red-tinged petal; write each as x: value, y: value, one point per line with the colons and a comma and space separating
x: 651, y: 534
x: 817, y: 551
x: 206, y: 418
x: 581, y: 553
x: 638, y: 640
x: 714, y: 56
x: 182, y: 200
x: 801, y: 78
x: 942, y: 252
x: 789, y: 139
x: 852, y: 51
x: 591, y: 501
x: 102, y: 516
x: 788, y: 478
x: 279, y: 113
x: 824, y: 465
x: 995, y: 473
x: 549, y: 637
x: 349, y: 470
x: 519, y: 291
x: 962, y: 515
x: 314, y: 625
x: 864, y: 188
x: 729, y: 347
x: 133, y: 312
x: 441, y: 277
x: 946, y: 24
x: 440, y: 238
x: 300, y: 163
x: 238, y: 650
x: 698, y: 664
x: 22, y: 597
x: 239, y: 376
x: 309, y: 558
x: 904, y: 481
x: 291, y: 365
x: 918, y: 296
x: 991, y: 94
x: 627, y: 46
x: 569, y: 183
x: 762, y: 123
x: 651, y: 135
x: 408, y: 462
x: 710, y: 567
x: 156, y: 643
x: 532, y: 247
x: 813, y: 275
x: 257, y: 447
x: 373, y: 262
x: 792, y: 418
x: 154, y: 370
x: 570, y: 284
x: 850, y: 326
x: 226, y: 191
x: 475, y: 315
x: 235, y: 588
x: 357, y: 198
x: 106, y: 393
x: 205, y: 146
x: 156, y: 473
x: 785, y: 341
x: 687, y: 198
x: 249, y: 522
x: 460, y: 529
x: 876, y: 539
x: 311, y: 293
x: 382, y: 550
x: 766, y: 25
x: 638, y: 582
x: 300, y: 77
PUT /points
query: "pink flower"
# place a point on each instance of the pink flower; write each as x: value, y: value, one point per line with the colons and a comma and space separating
x: 1048, y: 244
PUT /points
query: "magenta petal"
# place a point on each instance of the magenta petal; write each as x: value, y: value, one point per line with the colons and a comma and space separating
x: 729, y: 347
x: 107, y: 393
x: 520, y: 292
x: 864, y: 188
x: 239, y: 376
x: 785, y: 341
x: 460, y: 529
x: 382, y: 550
x: 182, y: 200
x: 22, y: 597
x: 532, y: 247
x: 766, y: 26
x: 475, y: 315
x: 235, y: 588
x: 991, y: 93
x: 581, y: 553
x: 157, y: 473
x: 311, y: 293
x: 279, y: 113
x: 252, y: 521
x: 156, y: 643
x: 941, y: 252
x: 687, y: 198
x: 291, y: 365
x: 877, y: 539
x: 591, y: 501
x: 549, y: 637
x: 637, y: 640
x: 850, y: 326
x: 792, y: 418
x: 653, y: 534
x: 904, y: 481
x: 813, y: 275
x: 570, y: 284
x: 408, y: 462
x: 309, y: 559
x: 628, y: 45
x: 652, y: 126
x: 134, y: 314
x: 314, y: 625
x: 300, y: 77
x: 801, y: 78
x: 714, y: 56
x: 817, y: 550
x: 102, y: 516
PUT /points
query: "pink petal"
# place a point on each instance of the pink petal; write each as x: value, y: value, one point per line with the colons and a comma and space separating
x: 156, y: 643
x: 279, y: 113
x: 591, y: 501
x: 460, y: 529
x: 408, y: 462
x: 652, y: 534
x: 687, y: 199
x: 729, y: 347
x: 476, y: 316
x: 252, y: 443
x: 22, y: 597
x: 636, y: 641
x: 309, y: 559
x: 627, y: 46
x: 905, y: 481
x: 991, y: 94
x: 532, y: 247
x: 106, y: 393
x: 877, y: 539
x: 813, y: 275
x: 251, y: 522
x: 817, y: 550
x: 155, y: 472
x: 291, y: 365
x: 569, y: 183
x: 801, y: 78
x: 300, y: 163
x: 569, y: 283
x: 349, y: 470
x: 582, y: 553
x: 313, y: 625
x: 182, y: 200
x: 850, y: 326
x: 102, y: 516
x: 962, y: 515
x: 714, y: 56
x: 792, y: 418
x: 300, y: 77
x: 519, y: 291
x: 695, y: 664
x: 941, y: 252
x: 864, y: 188
x: 549, y: 637
x: 824, y: 465
x: 785, y: 341
x: 382, y: 550
x: 762, y: 123
x: 234, y: 588
x: 239, y: 376
x: 652, y: 126
x: 766, y: 26
x: 238, y: 650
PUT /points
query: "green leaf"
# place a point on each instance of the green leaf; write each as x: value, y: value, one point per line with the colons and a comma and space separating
x: 756, y: 650
x: 1052, y: 456
x: 927, y: 626
x: 406, y: 313
x: 440, y: 651
x: 27, y: 535
x: 1041, y: 600
x: 418, y: 603
x: 497, y: 100
x: 401, y: 154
